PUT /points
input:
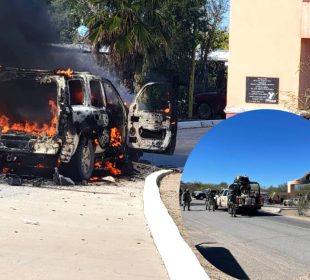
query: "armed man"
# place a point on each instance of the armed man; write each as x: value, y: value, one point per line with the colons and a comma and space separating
x: 233, y: 192
x: 187, y: 198
x: 210, y: 201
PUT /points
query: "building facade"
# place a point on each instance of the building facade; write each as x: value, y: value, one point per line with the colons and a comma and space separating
x: 269, y: 56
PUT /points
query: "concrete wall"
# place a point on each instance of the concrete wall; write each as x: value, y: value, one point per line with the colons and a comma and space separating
x: 305, y: 22
x: 265, y: 41
x: 304, y: 82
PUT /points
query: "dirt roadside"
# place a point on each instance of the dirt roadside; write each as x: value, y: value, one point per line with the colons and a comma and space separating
x: 86, y: 232
x: 169, y: 191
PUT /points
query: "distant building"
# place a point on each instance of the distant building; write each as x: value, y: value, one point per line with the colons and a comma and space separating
x: 298, y: 184
x: 219, y: 55
x: 269, y: 55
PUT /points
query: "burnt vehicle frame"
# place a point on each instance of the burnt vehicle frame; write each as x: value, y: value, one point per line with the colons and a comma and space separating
x: 90, y: 112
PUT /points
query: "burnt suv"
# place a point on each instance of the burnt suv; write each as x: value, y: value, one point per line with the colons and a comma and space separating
x: 76, y: 120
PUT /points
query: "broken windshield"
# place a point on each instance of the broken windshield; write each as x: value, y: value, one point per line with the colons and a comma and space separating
x: 155, y: 98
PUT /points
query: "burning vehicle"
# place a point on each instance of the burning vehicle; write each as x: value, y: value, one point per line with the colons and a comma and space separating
x: 78, y: 122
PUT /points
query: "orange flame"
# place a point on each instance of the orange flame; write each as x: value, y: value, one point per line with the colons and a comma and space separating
x: 6, y: 170
x: 115, y: 137
x: 167, y: 110
x: 112, y: 169
x: 98, y: 164
x: 67, y: 73
x: 94, y: 179
x: 32, y: 128
x: 40, y: 166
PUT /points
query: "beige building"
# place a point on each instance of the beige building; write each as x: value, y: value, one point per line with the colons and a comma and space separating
x: 269, y: 56
x: 298, y: 183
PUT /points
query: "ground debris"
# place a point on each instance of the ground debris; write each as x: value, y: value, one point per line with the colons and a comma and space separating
x: 38, y: 182
x: 109, y: 179
x: 31, y: 222
x: 14, y: 181
x: 143, y: 170
x: 62, y: 180
x: 58, y: 181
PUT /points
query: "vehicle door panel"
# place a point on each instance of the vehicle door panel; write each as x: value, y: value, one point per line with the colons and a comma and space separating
x: 152, y: 125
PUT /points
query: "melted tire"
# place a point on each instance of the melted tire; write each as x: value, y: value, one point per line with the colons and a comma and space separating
x: 81, y: 165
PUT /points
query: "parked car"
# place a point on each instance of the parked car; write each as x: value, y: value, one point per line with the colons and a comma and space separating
x: 203, y: 193
x: 74, y: 120
x: 210, y: 104
x: 291, y: 201
x: 200, y: 194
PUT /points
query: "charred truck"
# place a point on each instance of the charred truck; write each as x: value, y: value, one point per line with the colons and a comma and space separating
x: 77, y: 121
x: 245, y: 195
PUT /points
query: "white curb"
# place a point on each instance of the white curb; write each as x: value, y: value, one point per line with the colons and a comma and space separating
x: 179, y: 259
x: 198, y: 124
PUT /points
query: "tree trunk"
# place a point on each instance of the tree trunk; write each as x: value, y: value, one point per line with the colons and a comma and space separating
x: 192, y: 84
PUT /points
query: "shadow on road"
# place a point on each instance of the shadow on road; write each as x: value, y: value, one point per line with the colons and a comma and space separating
x: 258, y: 214
x: 223, y: 260
x: 266, y: 214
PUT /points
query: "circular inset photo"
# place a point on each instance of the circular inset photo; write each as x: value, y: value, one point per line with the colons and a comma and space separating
x: 245, y: 196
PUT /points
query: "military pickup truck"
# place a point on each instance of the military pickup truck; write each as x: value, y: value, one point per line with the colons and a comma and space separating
x: 75, y: 120
x: 245, y: 194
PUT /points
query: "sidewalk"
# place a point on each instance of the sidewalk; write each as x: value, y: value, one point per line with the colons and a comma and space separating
x: 198, y: 123
x: 89, y: 232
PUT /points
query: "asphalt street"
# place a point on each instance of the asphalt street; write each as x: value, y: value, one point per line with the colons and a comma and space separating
x: 186, y: 140
x: 265, y: 246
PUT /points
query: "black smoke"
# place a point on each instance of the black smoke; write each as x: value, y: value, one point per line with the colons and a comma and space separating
x: 26, y: 33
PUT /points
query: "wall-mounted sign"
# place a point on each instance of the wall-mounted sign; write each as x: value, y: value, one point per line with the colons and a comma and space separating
x: 262, y: 90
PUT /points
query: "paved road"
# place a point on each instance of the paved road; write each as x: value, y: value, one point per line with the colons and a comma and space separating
x: 265, y: 246
x: 82, y: 232
x: 186, y: 140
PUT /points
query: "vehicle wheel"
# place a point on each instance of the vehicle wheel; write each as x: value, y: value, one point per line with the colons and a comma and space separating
x: 204, y: 111
x: 200, y: 197
x: 81, y: 165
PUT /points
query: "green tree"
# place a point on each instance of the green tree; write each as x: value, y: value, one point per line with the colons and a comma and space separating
x: 150, y: 40
x: 136, y: 32
x: 68, y: 15
x: 192, y: 24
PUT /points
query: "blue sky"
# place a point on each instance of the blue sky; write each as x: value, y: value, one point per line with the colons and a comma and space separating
x: 225, y: 22
x: 269, y: 146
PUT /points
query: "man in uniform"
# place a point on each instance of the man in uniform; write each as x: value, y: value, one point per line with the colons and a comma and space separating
x: 210, y: 201
x: 187, y: 200
x: 233, y: 189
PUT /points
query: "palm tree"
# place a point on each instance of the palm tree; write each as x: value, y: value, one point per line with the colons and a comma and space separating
x: 135, y: 31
